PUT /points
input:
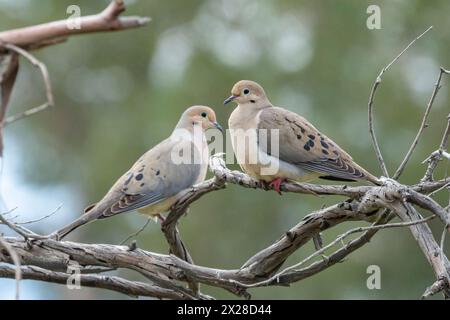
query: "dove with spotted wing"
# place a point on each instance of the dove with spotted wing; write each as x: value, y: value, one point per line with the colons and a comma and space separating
x: 161, y: 176
x: 303, y: 153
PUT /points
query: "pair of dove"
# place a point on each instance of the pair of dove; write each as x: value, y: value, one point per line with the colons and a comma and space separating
x: 155, y: 183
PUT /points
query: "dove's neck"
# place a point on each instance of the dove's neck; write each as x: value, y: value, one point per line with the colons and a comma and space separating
x: 249, y: 111
x: 186, y: 130
x: 257, y: 106
x: 246, y: 115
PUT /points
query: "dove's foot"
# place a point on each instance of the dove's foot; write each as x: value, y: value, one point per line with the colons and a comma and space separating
x: 264, y: 185
x: 160, y: 217
x: 276, y: 184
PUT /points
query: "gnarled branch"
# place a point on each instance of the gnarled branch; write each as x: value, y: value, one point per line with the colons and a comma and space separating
x: 159, y: 269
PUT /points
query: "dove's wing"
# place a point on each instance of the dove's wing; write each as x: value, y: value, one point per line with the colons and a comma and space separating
x: 155, y: 177
x: 152, y: 179
x: 302, y: 145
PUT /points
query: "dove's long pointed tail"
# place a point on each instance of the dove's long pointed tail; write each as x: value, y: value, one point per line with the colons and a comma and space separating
x: 85, y: 218
x: 64, y: 231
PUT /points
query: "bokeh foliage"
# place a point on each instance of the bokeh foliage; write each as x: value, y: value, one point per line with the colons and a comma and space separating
x: 118, y: 94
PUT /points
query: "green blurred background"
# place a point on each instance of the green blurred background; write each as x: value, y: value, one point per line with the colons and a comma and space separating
x: 118, y: 94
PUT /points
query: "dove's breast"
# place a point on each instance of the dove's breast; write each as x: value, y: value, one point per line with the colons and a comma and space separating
x: 243, y: 133
x: 243, y: 124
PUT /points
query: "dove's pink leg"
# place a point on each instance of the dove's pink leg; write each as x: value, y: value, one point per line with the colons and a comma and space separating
x: 276, y: 184
x: 264, y: 184
x: 160, y: 217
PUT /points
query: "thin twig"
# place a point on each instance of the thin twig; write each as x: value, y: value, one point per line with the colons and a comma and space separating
x: 436, y: 156
x: 372, y: 98
x: 113, y: 283
x: 41, y: 35
x: 442, y: 243
x: 339, y: 239
x: 423, y: 125
x: 25, y: 233
x: 45, y: 76
x: 41, y: 218
x: 440, y: 189
x: 26, y: 113
x: 135, y: 234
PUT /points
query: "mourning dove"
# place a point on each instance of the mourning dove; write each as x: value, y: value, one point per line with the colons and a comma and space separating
x: 303, y: 152
x: 161, y: 176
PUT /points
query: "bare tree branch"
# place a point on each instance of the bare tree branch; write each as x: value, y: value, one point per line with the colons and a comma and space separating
x: 9, y: 66
x: 41, y: 218
x: 18, y: 41
x: 130, y: 288
x: 45, y: 76
x: 423, y: 235
x: 34, y: 37
x: 163, y: 270
x: 42, y: 258
x: 436, y: 156
x: 372, y: 98
x: 135, y: 234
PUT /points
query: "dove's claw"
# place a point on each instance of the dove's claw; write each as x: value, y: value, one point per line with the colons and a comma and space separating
x: 276, y: 184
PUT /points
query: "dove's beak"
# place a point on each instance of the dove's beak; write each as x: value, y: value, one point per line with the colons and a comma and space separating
x: 229, y: 99
x: 218, y: 126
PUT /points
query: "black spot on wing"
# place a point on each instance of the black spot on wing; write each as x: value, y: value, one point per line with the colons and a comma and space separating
x: 295, y: 124
x: 337, y: 168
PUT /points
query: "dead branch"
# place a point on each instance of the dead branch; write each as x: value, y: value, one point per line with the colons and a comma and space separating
x: 55, y: 256
x: 41, y: 258
x: 372, y: 98
x: 45, y: 76
x: 19, y: 41
x: 50, y: 33
x: 130, y: 288
x: 423, y: 235
x: 423, y: 125
x: 437, y: 155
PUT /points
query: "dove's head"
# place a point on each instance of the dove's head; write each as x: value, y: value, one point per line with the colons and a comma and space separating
x: 246, y: 92
x: 202, y: 116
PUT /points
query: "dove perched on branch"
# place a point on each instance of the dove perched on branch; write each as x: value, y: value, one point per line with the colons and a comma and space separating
x: 273, y: 144
x: 161, y: 176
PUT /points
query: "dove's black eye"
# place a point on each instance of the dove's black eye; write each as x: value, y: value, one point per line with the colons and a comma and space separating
x: 246, y: 91
x: 204, y: 114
